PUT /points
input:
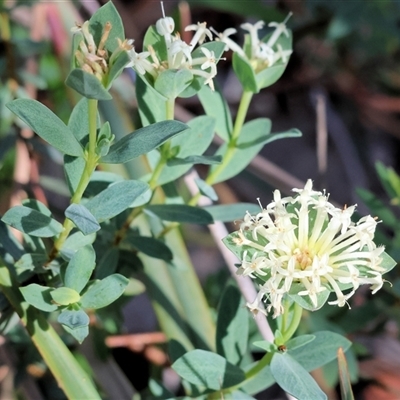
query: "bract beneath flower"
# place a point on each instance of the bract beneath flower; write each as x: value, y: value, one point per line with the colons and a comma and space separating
x: 305, y: 246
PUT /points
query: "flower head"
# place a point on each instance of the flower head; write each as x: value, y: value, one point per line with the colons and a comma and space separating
x: 305, y: 247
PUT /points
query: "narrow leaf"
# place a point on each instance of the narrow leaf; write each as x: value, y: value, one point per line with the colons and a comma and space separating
x: 245, y: 73
x: 73, y: 169
x: 104, y: 292
x: 151, y: 246
x: 32, y: 222
x: 82, y: 218
x: 232, y: 325
x: 205, y: 160
x: 344, y: 377
x: 142, y: 141
x: 180, y: 213
x: 115, y: 199
x: 232, y: 212
x: 206, y: 190
x: 47, y: 125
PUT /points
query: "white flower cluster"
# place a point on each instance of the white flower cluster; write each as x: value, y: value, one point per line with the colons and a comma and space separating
x: 262, y: 54
x: 95, y: 59
x: 179, y: 53
x: 304, y: 245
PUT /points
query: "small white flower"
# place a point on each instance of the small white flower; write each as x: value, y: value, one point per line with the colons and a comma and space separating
x: 306, y: 241
x: 201, y: 33
x: 230, y: 44
x: 139, y: 61
x: 253, y: 31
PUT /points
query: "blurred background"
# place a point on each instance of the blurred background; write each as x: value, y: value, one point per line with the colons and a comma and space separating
x: 341, y: 89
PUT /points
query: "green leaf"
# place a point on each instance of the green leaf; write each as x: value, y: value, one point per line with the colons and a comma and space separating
x: 270, y: 75
x: 320, y: 351
x: 291, y: 133
x: 152, y: 38
x: 36, y: 205
x: 299, y: 341
x: 232, y: 325
x: 47, y: 125
x: 198, y: 81
x: 206, y: 190
x: 232, y: 212
x: 107, y: 13
x: 159, y: 391
x: 80, y: 268
x: 215, y: 106
x: 305, y: 301
x: 104, y: 292
x: 142, y: 141
x: 108, y: 263
x: 151, y: 246
x: 390, y: 181
x: 253, y: 130
x: 180, y: 213
x: 39, y: 297
x: 172, y: 82
x: 115, y: 199
x: 344, y: 377
x: 265, y: 345
x: 31, y: 261
x: 87, y: 85
x: 65, y: 296
x: 387, y: 262
x: 193, y: 141
x: 152, y: 106
x: 73, y: 318
x: 82, y: 218
x: 117, y: 67
x: 75, y: 242
x: 205, y: 160
x: 257, y: 383
x: 78, y: 333
x: 32, y: 222
x: 245, y: 73
x: 207, y: 369
x: 78, y: 122
x: 100, y: 180
x: 73, y: 169
x: 294, y: 379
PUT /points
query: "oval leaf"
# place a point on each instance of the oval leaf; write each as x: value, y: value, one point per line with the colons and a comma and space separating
x: 104, y: 292
x: 65, y: 296
x: 82, y: 218
x: 142, y: 141
x: 208, y: 370
x: 172, y: 82
x: 115, y: 199
x: 294, y: 379
x: 47, y: 125
x: 73, y: 318
x: 32, y: 222
x: 39, y: 297
x: 320, y: 351
x: 80, y: 268
x: 181, y: 213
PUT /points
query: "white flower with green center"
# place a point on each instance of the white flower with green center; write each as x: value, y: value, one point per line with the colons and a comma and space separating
x: 305, y: 248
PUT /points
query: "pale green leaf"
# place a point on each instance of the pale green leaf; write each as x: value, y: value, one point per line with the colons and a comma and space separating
x: 47, y: 125
x: 82, y: 218
x: 39, y: 297
x: 180, y: 213
x: 87, y: 85
x: 64, y: 296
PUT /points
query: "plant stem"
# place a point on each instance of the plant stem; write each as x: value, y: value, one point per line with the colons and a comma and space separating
x: 91, y: 162
x: 289, y: 329
x: 72, y: 379
x: 266, y: 360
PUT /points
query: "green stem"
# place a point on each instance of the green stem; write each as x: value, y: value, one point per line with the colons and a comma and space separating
x: 90, y: 165
x: 266, y: 360
x: 232, y: 145
x: 289, y: 328
x: 72, y: 379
